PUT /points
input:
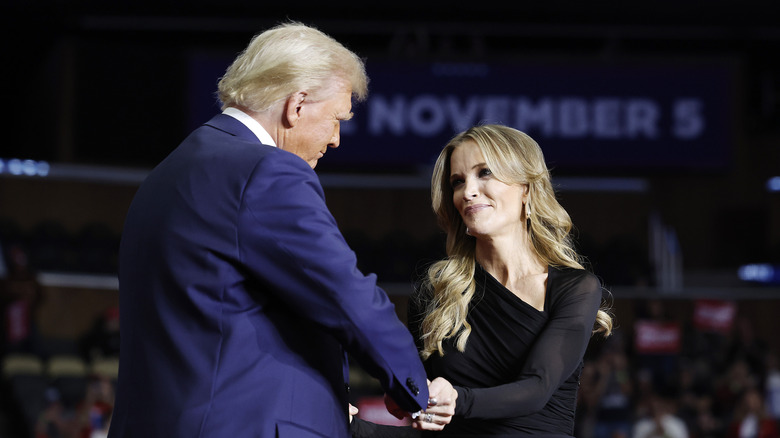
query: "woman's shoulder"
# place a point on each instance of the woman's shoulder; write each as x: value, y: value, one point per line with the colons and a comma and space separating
x: 572, y: 273
x: 573, y: 280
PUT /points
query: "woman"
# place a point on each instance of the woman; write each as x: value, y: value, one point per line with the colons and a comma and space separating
x: 507, y: 316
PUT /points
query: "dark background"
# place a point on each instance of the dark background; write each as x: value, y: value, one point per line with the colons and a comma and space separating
x: 102, y: 89
x: 107, y: 83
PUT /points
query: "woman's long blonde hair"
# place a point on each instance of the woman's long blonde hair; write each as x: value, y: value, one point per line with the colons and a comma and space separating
x: 514, y: 158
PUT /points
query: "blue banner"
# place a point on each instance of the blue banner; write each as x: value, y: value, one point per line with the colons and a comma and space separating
x: 607, y: 118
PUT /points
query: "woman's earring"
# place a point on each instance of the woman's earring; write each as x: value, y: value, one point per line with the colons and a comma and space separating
x: 528, y: 216
x: 467, y: 231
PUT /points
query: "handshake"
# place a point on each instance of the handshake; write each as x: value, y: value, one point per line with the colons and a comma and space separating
x: 438, y: 413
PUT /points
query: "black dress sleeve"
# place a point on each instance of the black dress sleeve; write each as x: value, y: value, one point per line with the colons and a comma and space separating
x: 555, y: 356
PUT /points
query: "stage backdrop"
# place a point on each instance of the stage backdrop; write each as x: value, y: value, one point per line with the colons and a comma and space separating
x: 628, y: 117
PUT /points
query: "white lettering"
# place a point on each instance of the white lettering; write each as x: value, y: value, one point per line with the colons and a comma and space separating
x: 529, y: 116
x: 606, y: 118
x: 496, y: 110
x: 573, y: 114
x: 688, y: 121
x: 426, y: 116
x: 569, y: 117
x: 382, y: 113
x: 641, y: 118
x: 462, y: 117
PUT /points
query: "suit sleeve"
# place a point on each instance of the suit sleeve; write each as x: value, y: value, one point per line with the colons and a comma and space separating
x: 290, y: 241
x: 556, y: 354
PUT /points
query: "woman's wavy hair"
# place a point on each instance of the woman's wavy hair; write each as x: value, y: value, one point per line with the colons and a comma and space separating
x: 285, y: 59
x: 514, y: 158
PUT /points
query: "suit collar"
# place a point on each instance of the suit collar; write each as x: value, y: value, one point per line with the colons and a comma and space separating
x: 233, y: 127
x: 250, y: 123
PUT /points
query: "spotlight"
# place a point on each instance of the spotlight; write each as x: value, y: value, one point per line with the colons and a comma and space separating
x: 760, y: 273
x: 773, y: 184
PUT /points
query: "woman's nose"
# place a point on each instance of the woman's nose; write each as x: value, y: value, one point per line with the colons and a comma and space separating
x: 470, y: 190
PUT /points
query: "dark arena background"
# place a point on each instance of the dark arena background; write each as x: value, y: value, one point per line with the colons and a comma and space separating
x: 660, y: 122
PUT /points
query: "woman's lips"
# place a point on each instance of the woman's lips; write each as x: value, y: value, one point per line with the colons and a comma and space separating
x: 472, y: 209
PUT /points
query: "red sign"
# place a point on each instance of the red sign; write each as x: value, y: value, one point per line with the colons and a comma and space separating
x: 656, y: 337
x: 714, y: 315
x: 373, y: 409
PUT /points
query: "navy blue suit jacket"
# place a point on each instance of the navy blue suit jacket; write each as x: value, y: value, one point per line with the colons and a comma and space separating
x: 239, y: 299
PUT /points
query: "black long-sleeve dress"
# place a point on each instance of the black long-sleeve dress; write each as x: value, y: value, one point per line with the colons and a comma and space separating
x: 520, y: 372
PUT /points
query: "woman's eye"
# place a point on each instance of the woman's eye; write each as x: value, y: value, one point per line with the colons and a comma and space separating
x: 485, y: 172
x: 456, y: 182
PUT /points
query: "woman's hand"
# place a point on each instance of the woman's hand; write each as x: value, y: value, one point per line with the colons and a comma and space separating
x: 441, y: 406
x: 352, y: 412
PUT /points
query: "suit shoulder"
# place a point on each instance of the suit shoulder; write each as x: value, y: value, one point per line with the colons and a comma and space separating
x: 283, y: 164
x: 217, y: 145
x: 284, y: 175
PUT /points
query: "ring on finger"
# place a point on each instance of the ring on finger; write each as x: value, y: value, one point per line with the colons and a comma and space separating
x: 429, y: 417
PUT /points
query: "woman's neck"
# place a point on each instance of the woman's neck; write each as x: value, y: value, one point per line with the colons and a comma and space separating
x: 507, y: 259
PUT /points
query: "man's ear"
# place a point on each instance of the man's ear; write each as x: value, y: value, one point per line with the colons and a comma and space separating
x: 292, y: 108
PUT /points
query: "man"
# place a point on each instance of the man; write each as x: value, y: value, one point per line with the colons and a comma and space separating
x: 239, y: 297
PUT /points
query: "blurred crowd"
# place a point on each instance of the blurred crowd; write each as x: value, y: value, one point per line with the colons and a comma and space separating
x: 51, y: 388
x: 697, y: 378
x: 707, y: 374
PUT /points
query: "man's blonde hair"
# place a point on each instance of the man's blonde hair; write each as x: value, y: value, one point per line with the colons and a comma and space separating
x: 288, y: 58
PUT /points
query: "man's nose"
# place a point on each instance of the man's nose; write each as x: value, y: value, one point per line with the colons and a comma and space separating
x: 336, y: 139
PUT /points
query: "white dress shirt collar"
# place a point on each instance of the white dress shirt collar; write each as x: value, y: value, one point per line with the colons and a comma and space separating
x: 252, y: 124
